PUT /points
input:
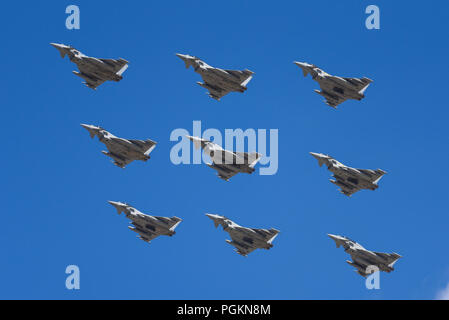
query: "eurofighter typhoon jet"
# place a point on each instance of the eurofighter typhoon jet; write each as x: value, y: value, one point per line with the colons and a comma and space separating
x: 227, y: 163
x: 219, y: 82
x: 363, y: 259
x: 335, y: 89
x: 245, y: 240
x: 94, y: 71
x: 350, y: 180
x: 146, y: 226
x: 122, y: 151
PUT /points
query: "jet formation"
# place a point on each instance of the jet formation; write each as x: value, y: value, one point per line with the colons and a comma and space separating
x: 220, y: 82
x: 350, y: 180
x: 122, y: 151
x: 217, y: 81
x: 335, y: 89
x: 227, y: 163
x: 146, y: 226
x: 364, y: 260
x: 245, y: 240
x: 93, y: 70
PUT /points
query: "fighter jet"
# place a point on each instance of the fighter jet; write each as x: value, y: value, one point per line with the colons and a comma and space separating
x: 122, y: 151
x: 335, y: 89
x: 219, y: 82
x: 362, y: 259
x: 147, y: 227
x: 350, y: 180
x: 94, y: 71
x: 245, y: 240
x: 227, y: 163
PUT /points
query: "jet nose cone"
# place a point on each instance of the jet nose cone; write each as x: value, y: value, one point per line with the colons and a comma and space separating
x: 195, y: 140
x: 117, y: 203
x: 333, y: 236
x: 316, y: 155
x: 301, y: 64
x: 182, y: 56
x: 89, y: 126
x: 212, y: 216
x: 59, y: 46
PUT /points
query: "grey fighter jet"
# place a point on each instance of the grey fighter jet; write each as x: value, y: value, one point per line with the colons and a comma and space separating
x: 245, y: 240
x: 350, y: 180
x: 147, y: 227
x: 219, y: 82
x: 94, y: 71
x: 227, y: 163
x: 363, y: 259
x: 336, y: 89
x: 122, y: 151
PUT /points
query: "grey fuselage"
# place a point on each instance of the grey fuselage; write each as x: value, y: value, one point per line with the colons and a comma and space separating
x: 351, y: 176
x: 96, y: 67
x: 245, y: 240
x: 363, y: 260
x: 228, y: 163
x: 122, y: 151
x: 93, y: 70
x: 336, y: 86
x: 218, y: 79
x: 219, y: 82
x: 146, y: 226
x: 350, y: 180
x: 336, y: 89
x: 222, y: 162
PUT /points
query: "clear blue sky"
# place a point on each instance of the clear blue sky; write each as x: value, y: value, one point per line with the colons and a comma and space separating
x: 56, y: 183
